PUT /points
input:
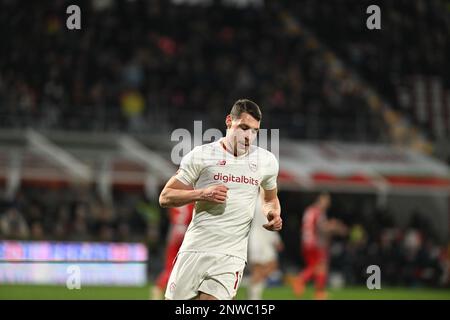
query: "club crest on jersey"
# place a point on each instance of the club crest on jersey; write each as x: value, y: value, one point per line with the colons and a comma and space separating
x: 253, y: 166
x: 221, y: 162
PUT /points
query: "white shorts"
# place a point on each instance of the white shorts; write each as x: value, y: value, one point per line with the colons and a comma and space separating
x: 216, y: 274
x: 261, y: 253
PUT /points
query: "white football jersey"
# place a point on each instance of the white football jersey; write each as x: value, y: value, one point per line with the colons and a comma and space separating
x: 224, y: 228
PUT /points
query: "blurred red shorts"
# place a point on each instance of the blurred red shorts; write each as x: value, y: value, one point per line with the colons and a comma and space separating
x: 314, y: 255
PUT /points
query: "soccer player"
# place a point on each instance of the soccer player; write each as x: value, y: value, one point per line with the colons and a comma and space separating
x: 223, y: 178
x: 179, y: 221
x: 263, y: 254
x: 316, y: 230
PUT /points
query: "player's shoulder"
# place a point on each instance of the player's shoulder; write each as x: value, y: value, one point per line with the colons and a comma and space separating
x: 204, y: 148
x: 201, y: 155
x: 313, y: 210
x: 265, y: 155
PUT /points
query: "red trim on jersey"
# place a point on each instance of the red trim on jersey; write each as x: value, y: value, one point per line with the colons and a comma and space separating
x: 237, y: 279
x: 223, y: 146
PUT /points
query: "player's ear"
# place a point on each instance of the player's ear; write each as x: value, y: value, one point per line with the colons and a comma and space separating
x: 228, y: 121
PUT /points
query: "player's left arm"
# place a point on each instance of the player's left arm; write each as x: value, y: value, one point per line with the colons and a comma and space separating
x: 335, y: 226
x: 272, y: 210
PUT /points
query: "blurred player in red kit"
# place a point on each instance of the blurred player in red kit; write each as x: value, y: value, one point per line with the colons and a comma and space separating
x: 316, y: 230
x: 180, y: 217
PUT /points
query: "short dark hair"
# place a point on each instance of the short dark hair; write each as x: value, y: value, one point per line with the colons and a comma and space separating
x: 248, y: 106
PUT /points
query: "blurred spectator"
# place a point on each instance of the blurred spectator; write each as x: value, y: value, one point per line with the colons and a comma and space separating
x: 37, y: 231
x: 133, y: 104
x: 13, y: 225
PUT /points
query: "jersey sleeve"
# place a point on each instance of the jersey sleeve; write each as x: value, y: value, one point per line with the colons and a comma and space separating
x: 269, y: 181
x: 190, y: 168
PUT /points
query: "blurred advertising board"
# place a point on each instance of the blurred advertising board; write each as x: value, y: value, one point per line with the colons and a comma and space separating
x: 51, y: 262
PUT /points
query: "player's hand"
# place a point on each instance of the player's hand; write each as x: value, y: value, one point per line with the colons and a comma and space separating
x: 343, y: 229
x: 275, y: 222
x: 338, y: 227
x: 216, y: 193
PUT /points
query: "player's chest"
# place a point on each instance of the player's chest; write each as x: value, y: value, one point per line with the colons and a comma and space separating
x: 234, y: 174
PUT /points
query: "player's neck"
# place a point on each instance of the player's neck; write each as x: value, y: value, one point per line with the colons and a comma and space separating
x: 226, y: 146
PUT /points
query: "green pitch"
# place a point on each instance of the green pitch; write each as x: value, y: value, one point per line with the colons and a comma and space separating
x: 275, y: 293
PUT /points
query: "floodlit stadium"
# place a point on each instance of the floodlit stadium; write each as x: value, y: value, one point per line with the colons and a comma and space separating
x: 105, y: 105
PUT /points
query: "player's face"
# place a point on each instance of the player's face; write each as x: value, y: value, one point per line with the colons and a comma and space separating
x: 325, y: 201
x: 241, y: 132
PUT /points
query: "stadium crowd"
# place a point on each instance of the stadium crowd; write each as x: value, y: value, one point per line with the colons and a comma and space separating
x: 156, y: 65
x: 408, y: 256
x: 77, y: 214
x: 413, y: 41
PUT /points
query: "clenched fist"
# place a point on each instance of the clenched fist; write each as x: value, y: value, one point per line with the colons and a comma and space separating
x: 275, y: 222
x: 216, y: 193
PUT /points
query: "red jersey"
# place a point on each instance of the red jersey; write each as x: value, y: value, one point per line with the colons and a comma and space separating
x: 313, y: 234
x: 179, y: 220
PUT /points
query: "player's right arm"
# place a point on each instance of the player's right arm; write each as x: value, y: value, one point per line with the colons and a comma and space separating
x: 177, y: 194
x: 179, y: 190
